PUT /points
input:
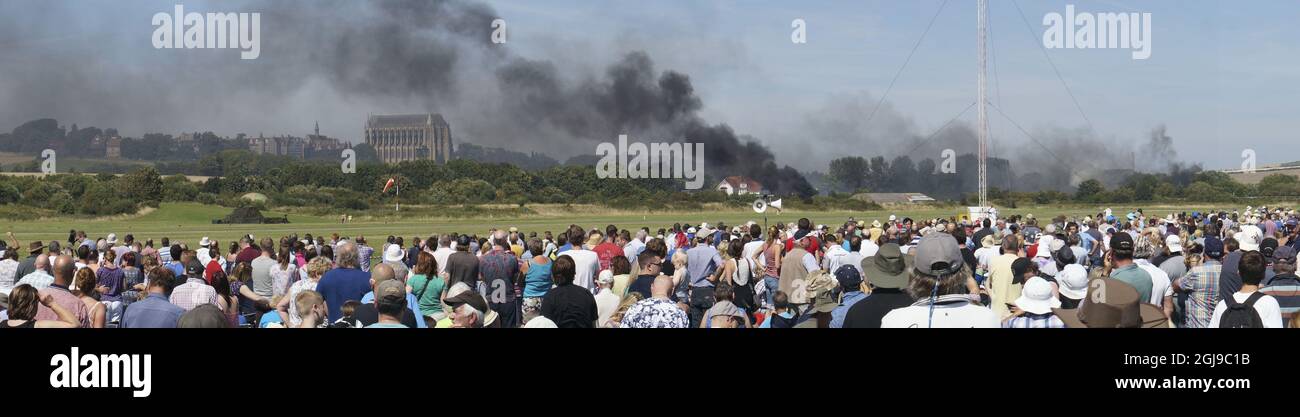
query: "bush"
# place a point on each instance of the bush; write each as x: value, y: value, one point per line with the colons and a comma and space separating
x: 206, y: 198
x: 103, y: 199
x: 182, y: 190
x: 9, y: 194
x: 351, y: 203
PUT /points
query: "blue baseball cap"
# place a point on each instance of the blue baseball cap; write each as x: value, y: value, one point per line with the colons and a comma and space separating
x: 1213, y: 247
x: 849, y: 277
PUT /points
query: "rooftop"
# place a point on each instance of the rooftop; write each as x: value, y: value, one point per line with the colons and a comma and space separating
x: 399, y: 120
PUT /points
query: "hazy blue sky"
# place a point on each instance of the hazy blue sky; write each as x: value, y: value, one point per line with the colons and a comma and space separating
x: 1222, y: 76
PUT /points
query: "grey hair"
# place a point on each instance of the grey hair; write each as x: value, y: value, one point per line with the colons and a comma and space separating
x: 1284, y: 267
x: 347, y: 255
x: 478, y: 314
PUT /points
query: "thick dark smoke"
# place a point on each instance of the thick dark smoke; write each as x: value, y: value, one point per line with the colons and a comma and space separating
x: 632, y: 98
x: 329, y: 60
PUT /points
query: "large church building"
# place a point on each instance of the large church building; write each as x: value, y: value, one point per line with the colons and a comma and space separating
x: 409, y: 137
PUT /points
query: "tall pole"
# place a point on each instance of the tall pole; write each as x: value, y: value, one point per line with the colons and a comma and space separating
x: 982, y: 15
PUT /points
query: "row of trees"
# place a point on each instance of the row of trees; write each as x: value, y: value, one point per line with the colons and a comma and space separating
x: 320, y: 184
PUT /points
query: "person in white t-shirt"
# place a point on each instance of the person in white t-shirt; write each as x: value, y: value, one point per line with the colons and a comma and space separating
x: 1162, y: 292
x: 938, y: 283
x: 1251, y: 268
x: 444, y: 250
x: 585, y: 261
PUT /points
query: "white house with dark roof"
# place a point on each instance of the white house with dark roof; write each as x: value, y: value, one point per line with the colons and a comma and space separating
x: 738, y: 185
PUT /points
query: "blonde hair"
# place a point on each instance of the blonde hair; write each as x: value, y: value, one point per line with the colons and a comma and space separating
x: 306, y: 300
x: 679, y: 259
x: 319, y: 266
x: 623, y: 306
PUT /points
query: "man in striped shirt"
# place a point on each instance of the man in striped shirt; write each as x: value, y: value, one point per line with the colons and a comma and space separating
x: 1285, y: 285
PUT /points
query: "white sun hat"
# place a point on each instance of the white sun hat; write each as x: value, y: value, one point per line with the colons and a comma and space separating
x: 1037, y: 297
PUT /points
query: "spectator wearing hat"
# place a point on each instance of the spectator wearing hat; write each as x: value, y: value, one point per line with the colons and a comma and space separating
x: 368, y: 312
x: 1071, y: 285
x: 797, y: 264
x: 1248, y: 239
x: 390, y: 304
x: 1162, y: 293
x: 569, y: 305
x: 1109, y: 304
x: 1002, y: 283
x: 1122, y: 247
x: 886, y: 277
x: 28, y: 264
x: 724, y: 306
x: 395, y: 257
x: 1174, y: 265
x: 1267, y: 248
x: 1251, y: 270
x: 469, y: 310
x: 703, y: 268
x: 1285, y: 285
x: 1034, y: 307
x: 195, y: 291
x: 606, y: 300
x: 938, y: 283
x: 852, y: 290
x: 1201, y: 284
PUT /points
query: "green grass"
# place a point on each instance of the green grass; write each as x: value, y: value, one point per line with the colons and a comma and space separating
x: 189, y: 222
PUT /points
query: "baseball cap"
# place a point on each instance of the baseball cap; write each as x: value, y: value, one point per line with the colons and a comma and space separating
x: 937, y: 254
x: 1213, y: 247
x: 194, y: 268
x: 1122, y: 242
x: 1284, y: 254
x: 606, y: 276
x: 1174, y: 243
x: 112, y: 238
x: 849, y: 277
x: 390, y: 290
x: 468, y: 297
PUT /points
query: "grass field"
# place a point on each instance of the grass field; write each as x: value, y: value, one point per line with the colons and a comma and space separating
x: 189, y: 222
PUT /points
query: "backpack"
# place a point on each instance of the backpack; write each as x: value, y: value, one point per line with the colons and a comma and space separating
x: 1241, y: 315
